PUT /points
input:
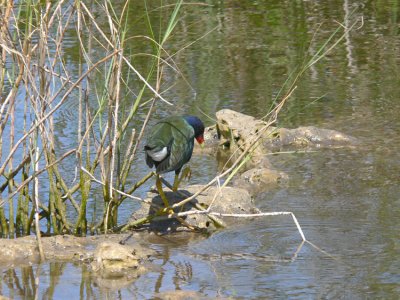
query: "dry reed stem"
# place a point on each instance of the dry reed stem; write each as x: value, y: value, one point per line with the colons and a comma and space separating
x: 54, y: 109
x: 39, y: 94
x: 113, y: 117
x: 40, y: 80
x: 128, y: 158
x: 36, y: 206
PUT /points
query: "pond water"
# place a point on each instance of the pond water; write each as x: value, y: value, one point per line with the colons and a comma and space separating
x: 346, y: 200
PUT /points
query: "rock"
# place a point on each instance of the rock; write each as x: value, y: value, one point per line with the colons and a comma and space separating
x: 310, y: 136
x: 258, y: 180
x: 116, y: 266
x: 113, y: 259
x: 114, y: 283
x: 238, y: 131
x: 226, y: 200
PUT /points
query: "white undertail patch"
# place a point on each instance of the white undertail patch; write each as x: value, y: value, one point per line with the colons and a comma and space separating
x: 158, y: 155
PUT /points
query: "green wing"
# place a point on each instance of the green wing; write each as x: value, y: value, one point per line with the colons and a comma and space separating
x: 178, y: 136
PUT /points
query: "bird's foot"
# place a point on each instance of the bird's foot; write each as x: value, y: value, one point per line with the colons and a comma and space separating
x: 165, y: 211
x: 170, y: 212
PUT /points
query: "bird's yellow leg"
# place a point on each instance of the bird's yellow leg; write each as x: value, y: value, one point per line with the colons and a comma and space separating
x: 176, y: 183
x: 167, y: 208
x: 161, y: 192
x: 186, y: 173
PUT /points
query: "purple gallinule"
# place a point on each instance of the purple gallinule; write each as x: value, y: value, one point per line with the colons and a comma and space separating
x: 170, y: 145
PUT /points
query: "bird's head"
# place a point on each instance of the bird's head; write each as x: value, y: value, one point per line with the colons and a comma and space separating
x: 198, y: 127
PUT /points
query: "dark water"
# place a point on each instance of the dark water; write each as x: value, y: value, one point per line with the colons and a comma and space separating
x: 346, y: 200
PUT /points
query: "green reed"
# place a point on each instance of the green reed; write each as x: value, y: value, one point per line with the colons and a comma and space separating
x: 37, y: 83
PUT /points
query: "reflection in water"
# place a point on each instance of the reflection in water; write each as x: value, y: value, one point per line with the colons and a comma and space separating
x: 19, y: 284
x: 56, y: 280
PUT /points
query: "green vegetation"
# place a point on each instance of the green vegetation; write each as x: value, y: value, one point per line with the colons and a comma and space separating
x: 35, y: 76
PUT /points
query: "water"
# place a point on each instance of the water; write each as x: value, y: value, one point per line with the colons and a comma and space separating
x: 346, y: 200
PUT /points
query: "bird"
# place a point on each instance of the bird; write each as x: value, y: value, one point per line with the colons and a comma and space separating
x: 169, y: 146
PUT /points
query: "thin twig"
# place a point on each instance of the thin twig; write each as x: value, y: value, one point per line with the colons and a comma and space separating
x: 114, y: 189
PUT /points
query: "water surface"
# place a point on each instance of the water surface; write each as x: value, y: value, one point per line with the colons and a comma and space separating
x: 346, y: 200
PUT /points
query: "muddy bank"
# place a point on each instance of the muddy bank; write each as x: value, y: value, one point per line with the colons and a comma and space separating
x: 105, y: 252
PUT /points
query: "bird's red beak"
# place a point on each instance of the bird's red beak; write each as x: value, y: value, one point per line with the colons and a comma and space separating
x: 200, y: 140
